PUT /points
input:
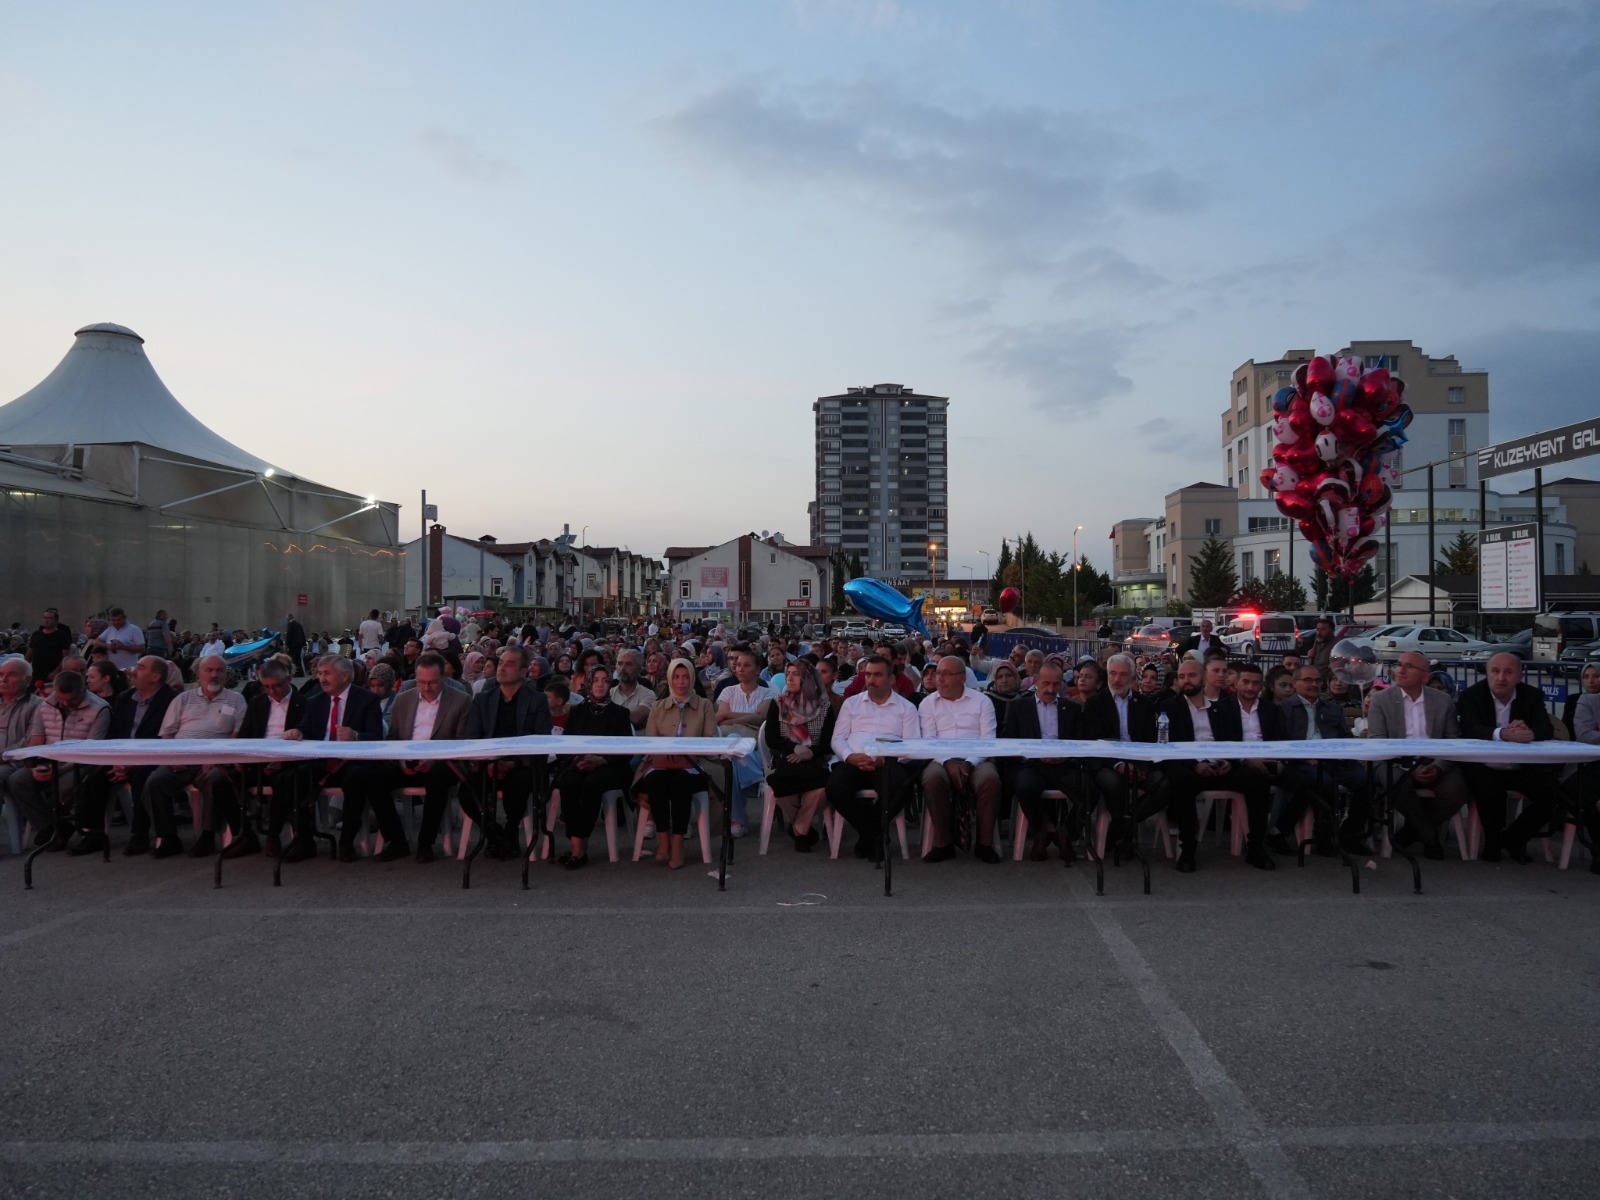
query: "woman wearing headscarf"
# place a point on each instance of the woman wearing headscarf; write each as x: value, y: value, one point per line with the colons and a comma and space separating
x: 1005, y: 685
x: 472, y: 670
x: 666, y: 783
x: 713, y: 665
x: 583, y: 781
x: 798, y: 730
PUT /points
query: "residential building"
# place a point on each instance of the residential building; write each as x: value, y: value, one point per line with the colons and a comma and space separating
x: 751, y: 578
x: 460, y: 571
x: 1138, y: 552
x: 1194, y: 515
x: 882, y: 477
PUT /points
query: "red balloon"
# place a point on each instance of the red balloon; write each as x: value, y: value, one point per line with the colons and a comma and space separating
x: 1354, y: 426
x: 1335, y: 489
x: 1319, y: 375
x: 1009, y: 599
x: 1374, y: 384
x: 1296, y: 506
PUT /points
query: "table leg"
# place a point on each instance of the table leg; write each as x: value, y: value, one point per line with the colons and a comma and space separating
x: 27, y: 864
x: 725, y: 854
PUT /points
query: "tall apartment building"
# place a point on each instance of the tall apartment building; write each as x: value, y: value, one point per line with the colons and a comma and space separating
x: 882, y: 477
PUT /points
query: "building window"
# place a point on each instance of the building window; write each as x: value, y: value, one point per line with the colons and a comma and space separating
x: 1239, y: 387
x: 1213, y: 526
x: 1561, y: 559
x: 683, y: 589
x: 1247, y: 564
x: 1457, y: 395
x: 805, y: 589
x: 497, y: 586
x: 1274, y: 562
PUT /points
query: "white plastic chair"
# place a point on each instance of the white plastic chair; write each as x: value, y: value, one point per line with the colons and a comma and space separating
x: 699, y: 817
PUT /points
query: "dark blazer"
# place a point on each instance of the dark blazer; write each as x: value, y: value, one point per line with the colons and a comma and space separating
x: 294, y: 638
x: 125, y: 706
x: 259, y: 709
x: 452, y: 718
x: 1022, y: 718
x: 1475, y: 709
x: 1329, y: 714
x: 362, y: 712
x: 1225, y: 723
x: 1100, y: 721
x: 1192, y: 643
x: 1274, y: 725
x: 532, y: 717
x: 599, y: 720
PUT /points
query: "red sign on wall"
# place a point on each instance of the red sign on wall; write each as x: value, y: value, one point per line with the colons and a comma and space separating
x: 304, y: 599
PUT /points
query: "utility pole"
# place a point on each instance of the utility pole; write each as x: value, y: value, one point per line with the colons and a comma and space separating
x: 1075, y: 533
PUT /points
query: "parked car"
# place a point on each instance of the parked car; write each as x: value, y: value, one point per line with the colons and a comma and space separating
x: 989, y: 616
x: 1436, y: 643
x: 1152, y: 639
x: 1582, y: 654
x: 1554, y: 632
x: 1519, y: 643
x: 1240, y: 634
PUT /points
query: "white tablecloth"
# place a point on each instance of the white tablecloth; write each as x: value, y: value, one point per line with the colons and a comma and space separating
x: 139, y: 752
x: 1330, y: 750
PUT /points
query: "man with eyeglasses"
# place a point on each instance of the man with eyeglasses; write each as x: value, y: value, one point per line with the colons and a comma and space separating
x: 1412, y: 709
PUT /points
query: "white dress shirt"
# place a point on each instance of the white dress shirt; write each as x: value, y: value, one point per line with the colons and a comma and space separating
x: 1250, y: 719
x: 1049, y: 719
x: 1202, y: 721
x: 860, y: 719
x: 970, y: 716
x: 1416, y: 714
x: 1313, y: 734
x: 427, y: 714
x: 1502, y: 714
x: 278, y: 716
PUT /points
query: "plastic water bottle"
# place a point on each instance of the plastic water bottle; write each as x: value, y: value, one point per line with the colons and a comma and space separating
x: 1163, y: 728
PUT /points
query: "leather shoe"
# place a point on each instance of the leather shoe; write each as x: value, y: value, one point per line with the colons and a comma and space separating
x: 242, y: 846
x: 204, y: 845
x: 939, y: 854
x: 574, y: 864
x: 393, y: 851
x: 348, y: 854
x: 136, y: 846
x: 89, y: 843
x: 169, y: 847
x: 300, y: 849
x: 875, y: 851
x: 1517, y: 851
x: 985, y: 853
x: 1279, y: 844
x: 1258, y: 858
x: 1186, y: 863
x: 425, y: 855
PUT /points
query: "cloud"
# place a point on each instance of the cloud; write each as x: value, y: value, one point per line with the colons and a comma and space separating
x: 460, y: 155
x: 1519, y: 199
x: 1016, y: 185
x: 1538, y: 378
x: 1164, y: 436
x: 1070, y: 368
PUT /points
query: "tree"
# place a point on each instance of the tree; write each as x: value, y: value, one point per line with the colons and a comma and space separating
x: 1251, y: 594
x: 856, y: 569
x: 1460, y: 556
x: 1284, y: 593
x: 837, y: 601
x: 1341, y: 595
x: 1212, y: 579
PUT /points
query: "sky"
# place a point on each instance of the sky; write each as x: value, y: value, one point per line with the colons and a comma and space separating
x: 591, y: 264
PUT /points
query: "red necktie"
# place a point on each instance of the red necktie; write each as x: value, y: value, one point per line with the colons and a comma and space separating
x: 333, y: 721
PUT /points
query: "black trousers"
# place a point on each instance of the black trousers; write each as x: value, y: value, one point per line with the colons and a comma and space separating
x: 294, y: 795
x: 581, y: 793
x: 94, y: 793
x: 844, y: 781
x: 1310, y: 782
x: 516, y: 789
x: 1033, y: 779
x: 375, y: 785
x: 1538, y: 786
x: 670, y: 792
x: 164, y: 792
x: 1185, y: 785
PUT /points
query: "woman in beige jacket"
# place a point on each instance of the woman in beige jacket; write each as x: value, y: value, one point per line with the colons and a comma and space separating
x: 666, y: 784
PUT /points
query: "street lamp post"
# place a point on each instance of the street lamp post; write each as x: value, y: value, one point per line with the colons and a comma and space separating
x: 1075, y: 576
x: 933, y: 577
x: 583, y: 575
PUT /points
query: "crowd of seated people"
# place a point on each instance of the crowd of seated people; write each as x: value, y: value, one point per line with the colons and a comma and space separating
x: 814, y: 706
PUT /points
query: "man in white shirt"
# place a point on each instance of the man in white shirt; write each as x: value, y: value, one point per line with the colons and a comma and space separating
x: 370, y: 632
x: 275, y: 708
x: 878, y: 711
x: 1411, y: 709
x: 208, y: 710
x: 122, y: 642
x: 958, y: 713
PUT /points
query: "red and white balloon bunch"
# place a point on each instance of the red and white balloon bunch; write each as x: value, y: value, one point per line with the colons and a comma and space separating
x: 1337, y: 435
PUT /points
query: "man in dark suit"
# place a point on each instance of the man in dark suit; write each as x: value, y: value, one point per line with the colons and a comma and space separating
x: 512, y: 708
x: 271, y: 712
x: 1310, y: 716
x: 1502, y: 708
x: 1118, y: 712
x: 339, y: 712
x: 294, y: 641
x: 1201, y: 712
x: 430, y: 711
x: 1201, y: 641
x: 136, y: 713
x: 1046, y: 713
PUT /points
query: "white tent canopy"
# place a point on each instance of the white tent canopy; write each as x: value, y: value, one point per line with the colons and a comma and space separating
x: 105, y: 392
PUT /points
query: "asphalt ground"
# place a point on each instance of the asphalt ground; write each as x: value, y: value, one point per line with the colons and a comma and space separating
x: 374, y: 1030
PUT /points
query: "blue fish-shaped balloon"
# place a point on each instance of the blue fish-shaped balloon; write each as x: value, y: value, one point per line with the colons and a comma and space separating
x: 874, y: 598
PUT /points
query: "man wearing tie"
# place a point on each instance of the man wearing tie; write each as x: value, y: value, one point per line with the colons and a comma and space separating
x: 1046, y: 715
x: 1200, y: 712
x: 340, y: 712
x: 1501, y: 708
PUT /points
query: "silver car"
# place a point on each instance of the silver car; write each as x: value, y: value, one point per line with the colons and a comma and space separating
x: 1152, y: 639
x: 1436, y: 643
